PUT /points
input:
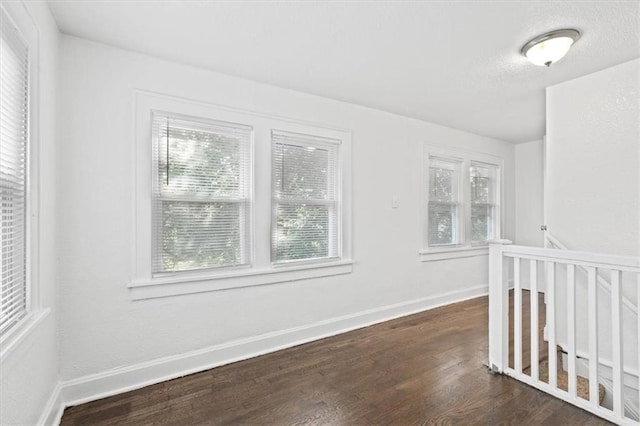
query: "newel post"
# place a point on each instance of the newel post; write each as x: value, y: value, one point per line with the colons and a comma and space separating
x: 498, y: 307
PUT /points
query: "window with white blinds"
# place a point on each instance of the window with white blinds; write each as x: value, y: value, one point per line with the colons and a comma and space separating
x: 482, y: 179
x: 14, y: 138
x: 227, y: 198
x: 305, y: 197
x: 201, y: 201
x: 443, y: 217
x: 461, y: 200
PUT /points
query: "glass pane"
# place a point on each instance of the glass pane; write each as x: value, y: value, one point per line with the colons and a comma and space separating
x: 200, y: 235
x: 202, y: 163
x: 481, y: 223
x: 301, y: 172
x: 441, y: 184
x: 302, y: 232
x: 481, y: 184
x: 442, y: 224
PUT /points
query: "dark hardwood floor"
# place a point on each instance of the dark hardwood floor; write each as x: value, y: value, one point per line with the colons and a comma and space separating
x: 426, y: 368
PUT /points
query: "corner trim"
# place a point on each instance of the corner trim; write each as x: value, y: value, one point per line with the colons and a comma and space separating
x: 96, y: 386
x: 52, y: 413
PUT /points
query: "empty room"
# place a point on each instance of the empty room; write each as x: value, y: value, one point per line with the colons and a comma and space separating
x: 319, y: 212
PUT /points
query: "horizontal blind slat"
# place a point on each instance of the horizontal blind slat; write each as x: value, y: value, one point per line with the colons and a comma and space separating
x: 201, y: 193
x: 305, y: 197
x: 13, y: 163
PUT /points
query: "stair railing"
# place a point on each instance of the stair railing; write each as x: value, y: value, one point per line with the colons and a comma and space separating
x: 504, y: 258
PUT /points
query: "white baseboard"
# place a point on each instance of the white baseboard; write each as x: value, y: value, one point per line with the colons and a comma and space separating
x: 112, y: 382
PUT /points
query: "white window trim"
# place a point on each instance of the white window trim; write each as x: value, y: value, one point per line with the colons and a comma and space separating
x: 260, y: 271
x: 466, y: 248
x: 14, y: 337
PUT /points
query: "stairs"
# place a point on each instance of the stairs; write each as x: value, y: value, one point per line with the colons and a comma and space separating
x: 582, y: 388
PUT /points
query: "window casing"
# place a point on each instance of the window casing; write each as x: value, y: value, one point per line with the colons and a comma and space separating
x: 258, y: 218
x: 14, y: 160
x: 461, y: 203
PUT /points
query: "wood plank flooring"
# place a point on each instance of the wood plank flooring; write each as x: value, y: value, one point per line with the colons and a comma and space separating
x: 426, y: 368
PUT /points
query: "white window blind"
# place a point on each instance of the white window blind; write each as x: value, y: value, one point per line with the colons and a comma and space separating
x: 482, y: 180
x: 201, y: 193
x: 444, y: 205
x: 305, y: 197
x: 14, y: 101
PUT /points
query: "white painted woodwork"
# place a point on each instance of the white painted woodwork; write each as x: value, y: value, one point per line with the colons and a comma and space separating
x: 533, y: 270
x: 571, y: 331
x: 517, y: 315
x: 555, y: 285
x: 616, y: 321
x: 551, y: 324
x: 592, y: 307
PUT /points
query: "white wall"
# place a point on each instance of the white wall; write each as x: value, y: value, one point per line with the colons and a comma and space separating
x: 29, y: 373
x: 529, y: 197
x: 593, y: 172
x: 592, y: 161
x: 101, y: 329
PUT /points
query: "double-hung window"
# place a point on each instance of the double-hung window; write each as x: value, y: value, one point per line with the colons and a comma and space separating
x: 444, y: 202
x: 14, y: 151
x: 305, y: 197
x: 227, y: 198
x: 483, y: 199
x: 201, y: 193
x: 461, y: 199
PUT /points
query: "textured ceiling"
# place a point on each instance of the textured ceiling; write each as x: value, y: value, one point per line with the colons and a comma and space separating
x: 455, y: 63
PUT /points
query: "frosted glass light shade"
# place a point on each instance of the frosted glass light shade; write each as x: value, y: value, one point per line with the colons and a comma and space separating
x: 550, y: 47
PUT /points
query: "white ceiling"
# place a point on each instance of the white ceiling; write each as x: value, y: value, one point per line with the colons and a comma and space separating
x: 455, y: 63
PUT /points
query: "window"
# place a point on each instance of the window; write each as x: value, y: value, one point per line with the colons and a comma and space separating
x: 227, y: 198
x: 461, y: 203
x: 482, y: 178
x: 444, y: 201
x: 304, y: 190
x: 14, y: 140
x: 201, y: 196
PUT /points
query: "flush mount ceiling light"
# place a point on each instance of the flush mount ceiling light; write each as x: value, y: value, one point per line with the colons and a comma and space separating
x: 550, y: 47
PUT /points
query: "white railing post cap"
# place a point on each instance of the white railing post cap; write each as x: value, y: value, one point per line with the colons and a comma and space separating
x: 501, y: 242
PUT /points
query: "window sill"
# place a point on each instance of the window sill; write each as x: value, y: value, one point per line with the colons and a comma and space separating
x: 179, y: 285
x: 22, y: 331
x: 453, y: 253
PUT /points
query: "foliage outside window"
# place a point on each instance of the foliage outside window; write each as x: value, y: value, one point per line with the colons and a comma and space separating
x: 482, y: 178
x: 201, y: 196
x: 462, y: 198
x: 444, y: 201
x: 304, y: 197
x: 228, y: 198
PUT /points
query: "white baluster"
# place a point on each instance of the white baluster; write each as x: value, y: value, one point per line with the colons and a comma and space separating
x: 551, y: 324
x: 533, y: 296
x: 571, y: 328
x: 517, y: 306
x: 616, y: 321
x: 593, y: 335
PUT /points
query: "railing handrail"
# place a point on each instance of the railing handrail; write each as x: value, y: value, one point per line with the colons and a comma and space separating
x: 505, y: 259
x: 603, y: 282
x: 598, y: 260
